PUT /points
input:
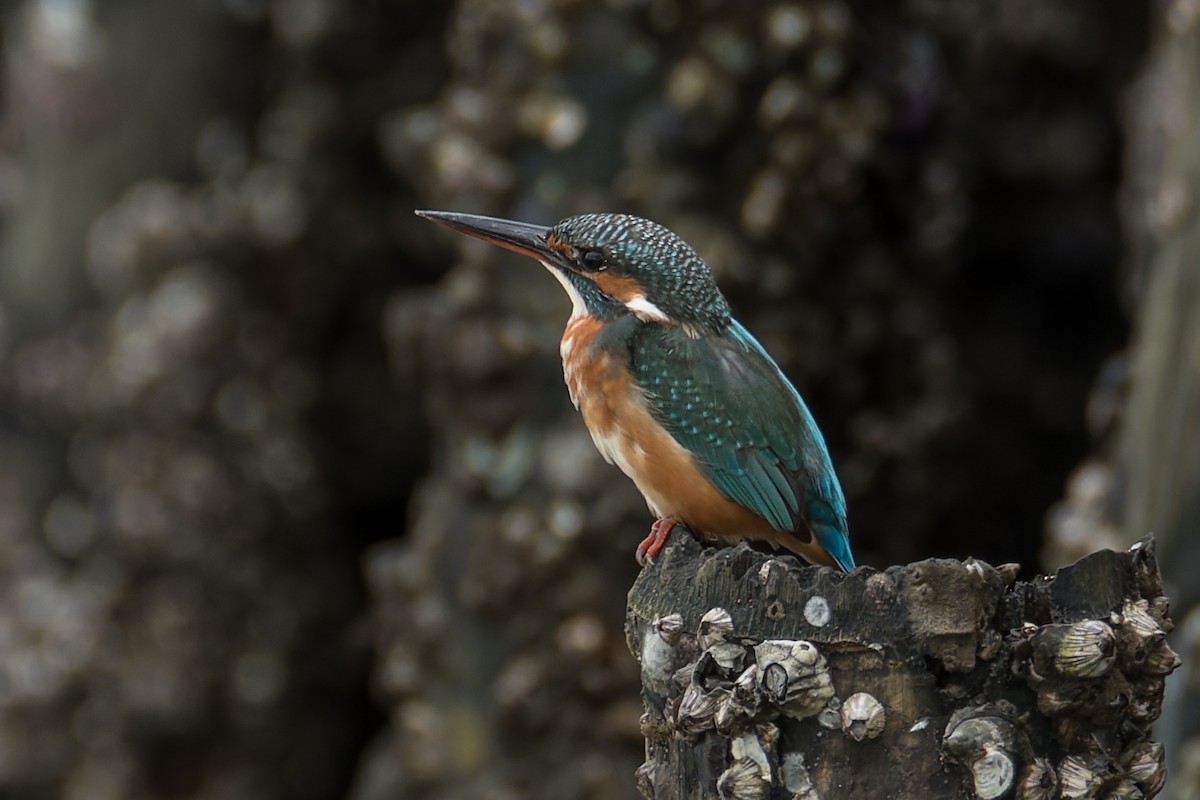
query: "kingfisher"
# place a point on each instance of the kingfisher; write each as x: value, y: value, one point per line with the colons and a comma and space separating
x: 676, y: 392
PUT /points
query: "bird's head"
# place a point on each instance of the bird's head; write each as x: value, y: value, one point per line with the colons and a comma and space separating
x: 612, y: 265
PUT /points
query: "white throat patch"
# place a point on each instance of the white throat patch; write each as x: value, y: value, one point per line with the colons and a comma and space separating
x: 578, y: 308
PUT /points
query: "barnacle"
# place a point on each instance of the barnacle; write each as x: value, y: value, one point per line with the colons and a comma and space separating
x: 743, y: 781
x: 744, y: 700
x: 831, y: 715
x: 985, y: 744
x: 793, y: 774
x: 715, y: 626
x: 1146, y: 764
x: 863, y: 716
x: 1038, y: 781
x: 698, y: 707
x: 793, y: 676
x: 1077, y: 780
x: 669, y: 627
x: 1084, y: 649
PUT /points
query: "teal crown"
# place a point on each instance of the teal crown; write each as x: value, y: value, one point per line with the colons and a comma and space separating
x: 671, y: 275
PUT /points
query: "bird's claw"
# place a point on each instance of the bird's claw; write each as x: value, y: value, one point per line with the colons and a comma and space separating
x: 650, y: 547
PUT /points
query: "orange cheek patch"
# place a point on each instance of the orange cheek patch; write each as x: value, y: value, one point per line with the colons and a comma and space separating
x: 619, y: 287
x: 558, y: 245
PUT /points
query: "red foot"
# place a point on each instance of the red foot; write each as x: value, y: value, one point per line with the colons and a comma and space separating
x: 652, y: 544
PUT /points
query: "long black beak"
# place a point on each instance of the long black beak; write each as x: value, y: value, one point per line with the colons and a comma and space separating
x: 520, y: 237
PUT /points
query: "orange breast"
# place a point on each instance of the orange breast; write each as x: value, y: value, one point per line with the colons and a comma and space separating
x: 618, y: 415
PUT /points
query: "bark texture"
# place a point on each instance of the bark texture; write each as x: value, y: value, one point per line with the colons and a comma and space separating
x: 940, y: 679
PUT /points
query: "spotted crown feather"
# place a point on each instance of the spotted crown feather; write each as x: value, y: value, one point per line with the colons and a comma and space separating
x: 675, y: 279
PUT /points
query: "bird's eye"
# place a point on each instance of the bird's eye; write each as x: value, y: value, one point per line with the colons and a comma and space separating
x: 592, y: 260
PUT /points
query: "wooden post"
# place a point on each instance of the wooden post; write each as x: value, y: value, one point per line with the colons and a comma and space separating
x: 763, y: 678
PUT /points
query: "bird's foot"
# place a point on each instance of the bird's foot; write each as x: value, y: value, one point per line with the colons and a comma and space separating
x: 649, y: 549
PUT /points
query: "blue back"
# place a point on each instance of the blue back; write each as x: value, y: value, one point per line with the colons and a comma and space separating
x: 723, y: 398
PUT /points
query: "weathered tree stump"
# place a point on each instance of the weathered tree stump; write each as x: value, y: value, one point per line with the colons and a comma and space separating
x: 765, y: 678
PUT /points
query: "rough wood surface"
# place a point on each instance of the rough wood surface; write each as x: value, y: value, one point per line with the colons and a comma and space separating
x: 940, y: 679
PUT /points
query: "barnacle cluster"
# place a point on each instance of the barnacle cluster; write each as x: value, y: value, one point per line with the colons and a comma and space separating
x: 741, y: 689
x: 1099, y: 685
x: 1105, y: 674
x: 999, y: 688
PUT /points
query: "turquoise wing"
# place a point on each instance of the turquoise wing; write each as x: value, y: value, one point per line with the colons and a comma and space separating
x: 725, y: 400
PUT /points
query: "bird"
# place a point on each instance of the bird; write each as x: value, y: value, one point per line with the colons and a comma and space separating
x: 676, y: 392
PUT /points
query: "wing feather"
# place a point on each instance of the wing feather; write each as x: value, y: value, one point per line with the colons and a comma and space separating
x: 725, y: 400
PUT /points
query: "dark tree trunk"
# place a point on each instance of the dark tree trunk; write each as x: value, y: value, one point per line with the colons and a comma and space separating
x: 940, y: 679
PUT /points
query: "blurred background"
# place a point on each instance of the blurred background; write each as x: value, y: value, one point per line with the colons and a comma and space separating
x: 293, y: 503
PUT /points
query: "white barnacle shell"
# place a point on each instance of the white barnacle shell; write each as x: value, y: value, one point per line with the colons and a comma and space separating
x: 1086, y: 650
x: 795, y: 778
x: 1160, y: 607
x: 729, y: 656
x: 744, y: 700
x: 698, y: 707
x: 831, y: 715
x: 793, y: 676
x: 1038, y: 781
x: 747, y: 682
x: 669, y: 627
x: 715, y: 626
x: 1143, y: 640
x: 729, y: 713
x: 1135, y: 614
x: 984, y: 744
x: 1160, y: 658
x: 750, y: 745
x: 1146, y: 764
x: 772, y: 651
x: 683, y: 676
x: 1076, y: 780
x: 966, y: 737
x: 816, y: 611
x: 863, y: 716
x: 743, y: 781
x: 992, y: 772
x: 736, y: 706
